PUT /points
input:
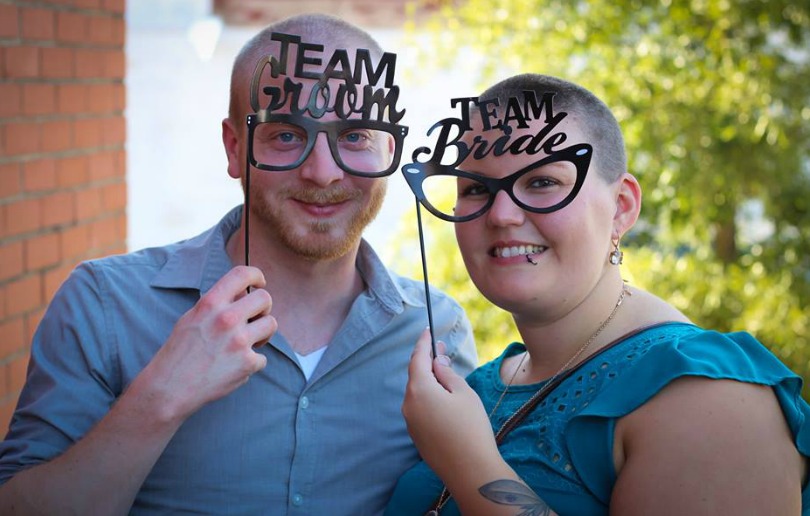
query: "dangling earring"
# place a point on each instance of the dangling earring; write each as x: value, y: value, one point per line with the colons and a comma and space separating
x: 616, y: 256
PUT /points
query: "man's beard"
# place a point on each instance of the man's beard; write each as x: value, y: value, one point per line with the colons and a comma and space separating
x: 316, y: 241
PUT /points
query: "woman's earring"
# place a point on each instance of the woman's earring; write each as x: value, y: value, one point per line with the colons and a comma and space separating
x: 616, y: 256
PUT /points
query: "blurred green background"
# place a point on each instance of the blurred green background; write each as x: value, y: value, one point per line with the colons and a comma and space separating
x: 714, y: 102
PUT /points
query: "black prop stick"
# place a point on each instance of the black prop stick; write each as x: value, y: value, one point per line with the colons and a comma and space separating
x: 425, y: 276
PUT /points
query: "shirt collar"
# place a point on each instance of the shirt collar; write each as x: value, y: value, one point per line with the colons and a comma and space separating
x: 201, y: 261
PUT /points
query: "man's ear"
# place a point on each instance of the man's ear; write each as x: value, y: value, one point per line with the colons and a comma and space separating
x: 628, y: 204
x: 230, y: 139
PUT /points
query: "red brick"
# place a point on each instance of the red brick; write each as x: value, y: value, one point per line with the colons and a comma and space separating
x: 4, y: 378
x: 88, y: 204
x: 87, y: 133
x: 72, y: 171
x: 115, y: 66
x: 104, y: 234
x: 33, y: 318
x: 12, y: 261
x: 10, y: 183
x: 42, y: 251
x: 54, y: 279
x: 22, y: 62
x: 100, y: 30
x: 119, y: 97
x: 38, y: 24
x: 99, y: 97
x: 39, y: 175
x: 70, y: 27
x: 57, y: 135
x: 17, y: 370
x: 90, y: 63
x: 22, y: 216
x: 57, y: 209
x: 114, y: 6
x: 22, y: 138
x: 58, y: 63
x: 87, y: 4
x: 114, y: 197
x: 7, y: 410
x: 119, y: 32
x: 70, y: 98
x: 101, y: 165
x: 39, y: 99
x: 12, y: 336
x: 10, y: 99
x: 9, y: 21
x: 74, y: 241
x: 114, y: 130
x: 23, y: 295
x: 121, y: 163
x: 121, y: 228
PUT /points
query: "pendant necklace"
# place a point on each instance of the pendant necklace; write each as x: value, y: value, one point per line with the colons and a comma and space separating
x: 524, y: 409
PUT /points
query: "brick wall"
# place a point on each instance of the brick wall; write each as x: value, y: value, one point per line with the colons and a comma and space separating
x: 62, y: 160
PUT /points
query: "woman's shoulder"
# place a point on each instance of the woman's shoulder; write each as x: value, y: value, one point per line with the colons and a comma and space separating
x: 648, y: 309
x: 652, y: 358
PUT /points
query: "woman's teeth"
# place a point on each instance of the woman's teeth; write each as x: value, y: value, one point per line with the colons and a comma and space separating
x: 517, y: 250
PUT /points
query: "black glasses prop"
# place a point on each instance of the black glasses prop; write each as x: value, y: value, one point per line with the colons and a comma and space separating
x: 455, y: 195
x: 360, y: 145
x: 545, y: 186
x: 365, y: 148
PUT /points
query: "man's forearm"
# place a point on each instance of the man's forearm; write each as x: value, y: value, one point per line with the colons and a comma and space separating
x: 101, y: 473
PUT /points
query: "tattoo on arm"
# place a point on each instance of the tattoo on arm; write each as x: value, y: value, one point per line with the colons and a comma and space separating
x: 512, y: 492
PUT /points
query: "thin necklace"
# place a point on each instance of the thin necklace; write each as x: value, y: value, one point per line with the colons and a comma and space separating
x: 521, y: 412
x: 570, y: 361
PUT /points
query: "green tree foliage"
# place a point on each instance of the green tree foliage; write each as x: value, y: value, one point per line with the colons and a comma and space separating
x: 713, y: 100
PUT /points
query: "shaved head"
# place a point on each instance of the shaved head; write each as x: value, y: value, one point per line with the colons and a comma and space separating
x: 333, y: 32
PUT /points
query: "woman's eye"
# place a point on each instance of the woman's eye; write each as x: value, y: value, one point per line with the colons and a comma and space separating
x: 542, y: 182
x: 473, y: 189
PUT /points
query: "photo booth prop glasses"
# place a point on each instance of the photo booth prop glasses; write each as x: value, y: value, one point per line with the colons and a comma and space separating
x: 366, y: 148
x: 363, y: 136
x: 458, y: 196
x: 545, y: 186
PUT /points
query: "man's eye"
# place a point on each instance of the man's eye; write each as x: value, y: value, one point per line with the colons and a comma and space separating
x: 286, y: 137
x: 355, y: 137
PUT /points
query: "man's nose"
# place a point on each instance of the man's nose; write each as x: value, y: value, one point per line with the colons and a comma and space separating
x: 320, y: 166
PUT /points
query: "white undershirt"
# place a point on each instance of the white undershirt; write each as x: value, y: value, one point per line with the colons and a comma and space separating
x: 310, y: 362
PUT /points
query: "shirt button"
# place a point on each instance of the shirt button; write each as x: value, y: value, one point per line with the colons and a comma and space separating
x: 297, y: 500
x: 304, y: 403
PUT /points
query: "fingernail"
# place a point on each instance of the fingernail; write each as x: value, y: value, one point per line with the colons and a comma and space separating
x: 443, y: 360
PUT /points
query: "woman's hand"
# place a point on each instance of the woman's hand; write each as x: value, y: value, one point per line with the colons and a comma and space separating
x: 445, y: 417
x: 451, y: 429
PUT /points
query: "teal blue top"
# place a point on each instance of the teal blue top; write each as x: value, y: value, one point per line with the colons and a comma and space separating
x: 563, y: 449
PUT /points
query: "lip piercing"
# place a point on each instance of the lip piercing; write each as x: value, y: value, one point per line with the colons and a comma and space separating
x: 529, y: 259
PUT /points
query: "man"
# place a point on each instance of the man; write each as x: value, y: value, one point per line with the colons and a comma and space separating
x: 153, y: 386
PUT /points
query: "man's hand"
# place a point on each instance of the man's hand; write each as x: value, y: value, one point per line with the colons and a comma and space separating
x: 211, y: 349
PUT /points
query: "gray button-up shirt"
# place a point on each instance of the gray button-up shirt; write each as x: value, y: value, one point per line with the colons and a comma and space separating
x: 279, y: 444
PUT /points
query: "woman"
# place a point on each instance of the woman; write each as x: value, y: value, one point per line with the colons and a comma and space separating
x: 637, y: 411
